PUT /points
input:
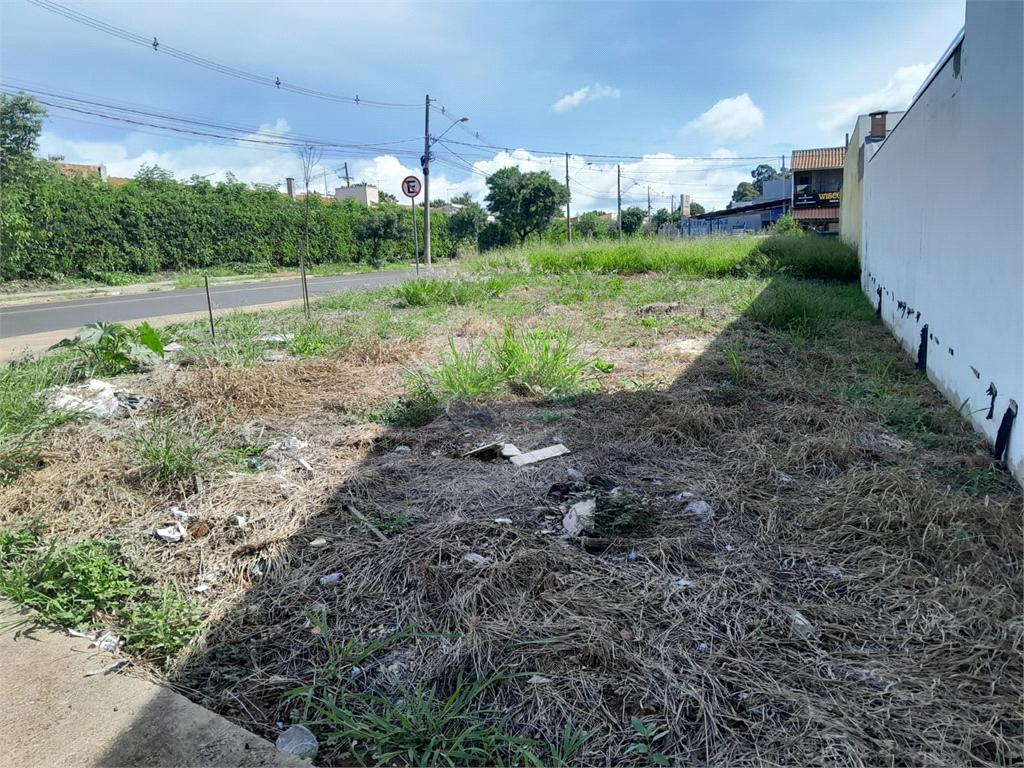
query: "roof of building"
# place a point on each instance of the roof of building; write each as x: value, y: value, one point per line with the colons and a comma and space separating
x: 118, y: 181
x: 818, y: 159
x: 825, y: 213
x: 743, y: 209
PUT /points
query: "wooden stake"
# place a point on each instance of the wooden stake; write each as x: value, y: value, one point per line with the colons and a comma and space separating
x: 209, y: 306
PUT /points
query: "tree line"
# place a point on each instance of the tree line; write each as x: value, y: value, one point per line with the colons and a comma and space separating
x: 53, y: 225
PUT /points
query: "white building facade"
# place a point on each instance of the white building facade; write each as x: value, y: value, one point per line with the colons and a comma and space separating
x: 943, y: 226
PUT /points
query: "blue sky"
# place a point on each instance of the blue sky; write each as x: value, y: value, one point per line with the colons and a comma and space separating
x: 723, y: 80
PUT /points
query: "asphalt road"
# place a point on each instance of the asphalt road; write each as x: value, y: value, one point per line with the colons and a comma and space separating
x: 26, y: 319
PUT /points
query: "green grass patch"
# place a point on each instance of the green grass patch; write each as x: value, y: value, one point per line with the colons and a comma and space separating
x: 696, y: 257
x: 808, y: 308
x: 624, y: 512
x: 170, y: 451
x: 807, y: 256
x: 440, y: 291
x: 540, y: 362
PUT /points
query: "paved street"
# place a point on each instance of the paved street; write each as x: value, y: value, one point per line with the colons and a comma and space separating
x: 24, y: 320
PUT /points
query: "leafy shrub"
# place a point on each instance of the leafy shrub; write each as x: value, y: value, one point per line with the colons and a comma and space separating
x: 109, y: 349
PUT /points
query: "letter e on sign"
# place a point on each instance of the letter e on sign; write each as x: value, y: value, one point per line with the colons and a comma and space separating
x: 411, y: 186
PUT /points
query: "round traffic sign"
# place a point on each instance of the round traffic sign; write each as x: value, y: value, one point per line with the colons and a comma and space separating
x: 411, y: 186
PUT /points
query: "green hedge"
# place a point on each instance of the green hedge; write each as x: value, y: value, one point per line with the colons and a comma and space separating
x: 55, y: 227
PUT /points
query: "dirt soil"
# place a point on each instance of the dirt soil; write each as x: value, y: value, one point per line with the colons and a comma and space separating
x: 844, y: 600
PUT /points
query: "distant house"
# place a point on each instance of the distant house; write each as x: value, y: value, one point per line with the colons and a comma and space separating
x: 868, y: 135
x: 72, y: 170
x: 366, y: 195
x: 818, y: 187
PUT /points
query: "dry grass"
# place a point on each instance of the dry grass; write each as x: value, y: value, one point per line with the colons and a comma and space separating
x: 845, y: 605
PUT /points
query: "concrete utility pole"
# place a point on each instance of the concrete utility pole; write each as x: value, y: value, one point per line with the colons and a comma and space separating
x: 648, y: 205
x: 618, y: 191
x: 568, y: 218
x: 347, y: 177
x: 426, y: 186
x: 672, y: 205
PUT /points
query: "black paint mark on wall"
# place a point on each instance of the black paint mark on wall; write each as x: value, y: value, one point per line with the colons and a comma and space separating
x: 878, y: 312
x: 977, y: 373
x: 950, y: 351
x: 991, y: 392
x: 922, y: 350
x: 918, y: 318
x: 1003, y: 435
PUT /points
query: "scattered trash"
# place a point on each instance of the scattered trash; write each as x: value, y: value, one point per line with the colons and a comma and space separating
x: 508, y: 451
x: 331, y: 578
x: 575, y: 475
x: 799, y: 623
x: 702, y: 647
x: 682, y: 583
x: 298, y: 741
x: 96, y: 397
x: 275, y: 338
x: 318, y: 543
x: 305, y: 465
x: 579, y: 518
x: 484, y: 452
x: 258, y: 567
x: 179, y: 513
x: 202, y: 588
x: 105, y: 641
x: 240, y: 521
x: 354, y: 673
x: 729, y: 548
x: 623, y: 558
x: 172, y: 346
x: 253, y: 463
x: 686, y: 495
x: 835, y: 573
x: 107, y: 669
x: 785, y: 479
x: 291, y: 444
x: 566, y: 489
x: 699, y: 509
x: 538, y: 680
x: 402, y: 449
x: 473, y: 557
x: 539, y: 455
x: 503, y: 520
x: 172, y: 533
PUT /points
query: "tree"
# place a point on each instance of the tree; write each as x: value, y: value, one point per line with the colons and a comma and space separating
x: 438, y: 204
x: 764, y: 173
x: 632, y: 219
x: 696, y: 209
x: 588, y: 224
x: 377, y: 227
x: 385, y: 197
x: 744, y: 192
x: 466, y: 224
x: 525, y: 202
x: 21, y: 122
x: 310, y: 155
x: 661, y: 216
x: 463, y: 199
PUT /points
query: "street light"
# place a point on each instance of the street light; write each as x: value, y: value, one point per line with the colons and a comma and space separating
x: 425, y: 160
x: 463, y: 120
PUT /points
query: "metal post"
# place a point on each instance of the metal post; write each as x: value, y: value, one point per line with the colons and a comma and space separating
x: 416, y: 238
x: 426, y: 187
x: 568, y: 217
x: 209, y: 306
x: 618, y: 192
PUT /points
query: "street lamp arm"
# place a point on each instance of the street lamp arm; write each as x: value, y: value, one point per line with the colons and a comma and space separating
x: 435, y: 140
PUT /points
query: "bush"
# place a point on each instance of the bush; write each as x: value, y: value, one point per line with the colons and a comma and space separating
x: 809, y: 307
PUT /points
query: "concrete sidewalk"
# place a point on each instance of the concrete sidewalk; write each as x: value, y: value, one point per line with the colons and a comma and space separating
x: 51, y: 714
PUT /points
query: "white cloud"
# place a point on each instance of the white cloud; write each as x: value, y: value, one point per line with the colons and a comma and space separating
x: 729, y: 119
x: 896, y: 95
x: 586, y: 93
x: 708, y: 181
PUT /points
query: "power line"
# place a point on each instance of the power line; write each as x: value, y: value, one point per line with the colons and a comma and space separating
x: 178, y: 53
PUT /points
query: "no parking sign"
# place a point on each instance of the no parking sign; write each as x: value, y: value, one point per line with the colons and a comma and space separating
x: 411, y: 186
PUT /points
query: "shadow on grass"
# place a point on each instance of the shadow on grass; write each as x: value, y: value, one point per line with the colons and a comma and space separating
x: 836, y: 600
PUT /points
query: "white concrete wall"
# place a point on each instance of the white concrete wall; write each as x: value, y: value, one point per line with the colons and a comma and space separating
x: 365, y: 195
x: 944, y: 222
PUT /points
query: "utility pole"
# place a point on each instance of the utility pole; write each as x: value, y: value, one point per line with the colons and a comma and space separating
x: 568, y: 218
x: 672, y: 205
x: 648, y: 205
x: 347, y: 177
x: 618, y: 192
x: 426, y: 186
x: 326, y: 191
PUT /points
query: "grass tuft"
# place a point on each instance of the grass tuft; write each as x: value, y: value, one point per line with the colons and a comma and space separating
x: 808, y: 308
x: 171, y: 451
